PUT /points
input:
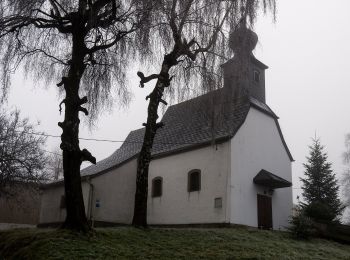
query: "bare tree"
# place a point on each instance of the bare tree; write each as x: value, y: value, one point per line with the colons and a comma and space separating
x: 22, y: 159
x: 191, y: 35
x: 86, y: 45
x: 345, y: 181
x: 346, y: 154
x: 55, y: 164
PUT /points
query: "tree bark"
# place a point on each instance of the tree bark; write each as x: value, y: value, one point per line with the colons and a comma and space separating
x: 144, y: 158
x: 72, y: 155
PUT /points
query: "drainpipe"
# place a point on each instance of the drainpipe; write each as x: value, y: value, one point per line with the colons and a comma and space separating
x: 228, y: 198
x: 90, y: 201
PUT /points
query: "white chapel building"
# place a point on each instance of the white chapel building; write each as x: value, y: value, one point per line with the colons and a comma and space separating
x: 224, y: 163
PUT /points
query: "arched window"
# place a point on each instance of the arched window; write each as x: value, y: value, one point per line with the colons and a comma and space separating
x: 157, y: 188
x: 194, y: 180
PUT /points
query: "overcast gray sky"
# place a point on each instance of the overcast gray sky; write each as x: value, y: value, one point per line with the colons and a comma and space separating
x: 307, y: 85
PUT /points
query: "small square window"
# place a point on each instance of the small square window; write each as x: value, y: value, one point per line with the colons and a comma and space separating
x: 256, y: 76
x: 218, y: 203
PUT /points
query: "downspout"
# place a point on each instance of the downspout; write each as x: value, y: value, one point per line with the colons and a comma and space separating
x: 90, y: 201
x: 228, y: 182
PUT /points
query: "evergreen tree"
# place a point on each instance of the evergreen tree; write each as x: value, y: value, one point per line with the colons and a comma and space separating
x: 320, y: 187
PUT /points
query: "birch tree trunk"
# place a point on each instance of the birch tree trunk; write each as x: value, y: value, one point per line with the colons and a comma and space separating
x: 72, y: 155
x: 144, y: 158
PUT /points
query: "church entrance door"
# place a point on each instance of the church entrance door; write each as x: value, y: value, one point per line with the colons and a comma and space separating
x: 264, y: 212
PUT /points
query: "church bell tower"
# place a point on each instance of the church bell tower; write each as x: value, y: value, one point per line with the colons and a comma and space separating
x: 244, y: 75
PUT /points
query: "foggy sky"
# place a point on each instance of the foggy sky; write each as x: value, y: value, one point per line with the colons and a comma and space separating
x: 307, y: 85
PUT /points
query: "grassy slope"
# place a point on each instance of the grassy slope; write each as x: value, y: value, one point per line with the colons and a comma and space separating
x: 126, y: 243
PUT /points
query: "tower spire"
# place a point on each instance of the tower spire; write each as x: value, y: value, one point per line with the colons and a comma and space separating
x: 244, y: 75
x: 243, y: 40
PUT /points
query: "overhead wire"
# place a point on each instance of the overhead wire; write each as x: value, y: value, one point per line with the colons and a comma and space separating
x: 92, y: 139
x: 101, y: 140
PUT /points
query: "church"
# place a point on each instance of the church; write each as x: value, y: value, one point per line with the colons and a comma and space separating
x: 220, y: 159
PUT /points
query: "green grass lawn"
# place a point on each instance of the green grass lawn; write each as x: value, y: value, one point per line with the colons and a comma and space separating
x: 130, y: 243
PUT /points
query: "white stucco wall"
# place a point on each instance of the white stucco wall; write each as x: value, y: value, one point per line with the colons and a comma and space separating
x: 177, y: 205
x: 115, y: 191
x: 257, y: 145
x: 50, y: 211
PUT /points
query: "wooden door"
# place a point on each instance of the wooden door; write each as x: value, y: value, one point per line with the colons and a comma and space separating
x: 264, y: 212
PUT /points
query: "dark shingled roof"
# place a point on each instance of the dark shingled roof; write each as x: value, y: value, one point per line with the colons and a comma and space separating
x: 187, y: 125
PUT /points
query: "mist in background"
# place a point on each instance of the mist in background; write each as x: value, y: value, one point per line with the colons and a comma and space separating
x: 307, y: 86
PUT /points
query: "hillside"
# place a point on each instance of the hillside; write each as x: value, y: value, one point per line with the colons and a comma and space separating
x: 130, y: 243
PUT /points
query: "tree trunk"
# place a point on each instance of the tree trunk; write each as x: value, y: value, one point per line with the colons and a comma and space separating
x: 72, y: 155
x: 144, y: 158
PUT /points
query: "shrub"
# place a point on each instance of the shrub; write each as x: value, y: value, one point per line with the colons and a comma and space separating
x: 301, y: 226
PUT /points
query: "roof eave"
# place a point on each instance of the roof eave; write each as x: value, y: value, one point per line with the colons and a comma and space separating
x: 219, y: 140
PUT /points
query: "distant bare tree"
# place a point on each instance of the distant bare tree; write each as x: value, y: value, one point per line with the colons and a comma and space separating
x: 84, y: 44
x: 346, y: 177
x: 190, y: 36
x: 55, y: 164
x: 22, y: 159
x: 346, y: 154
